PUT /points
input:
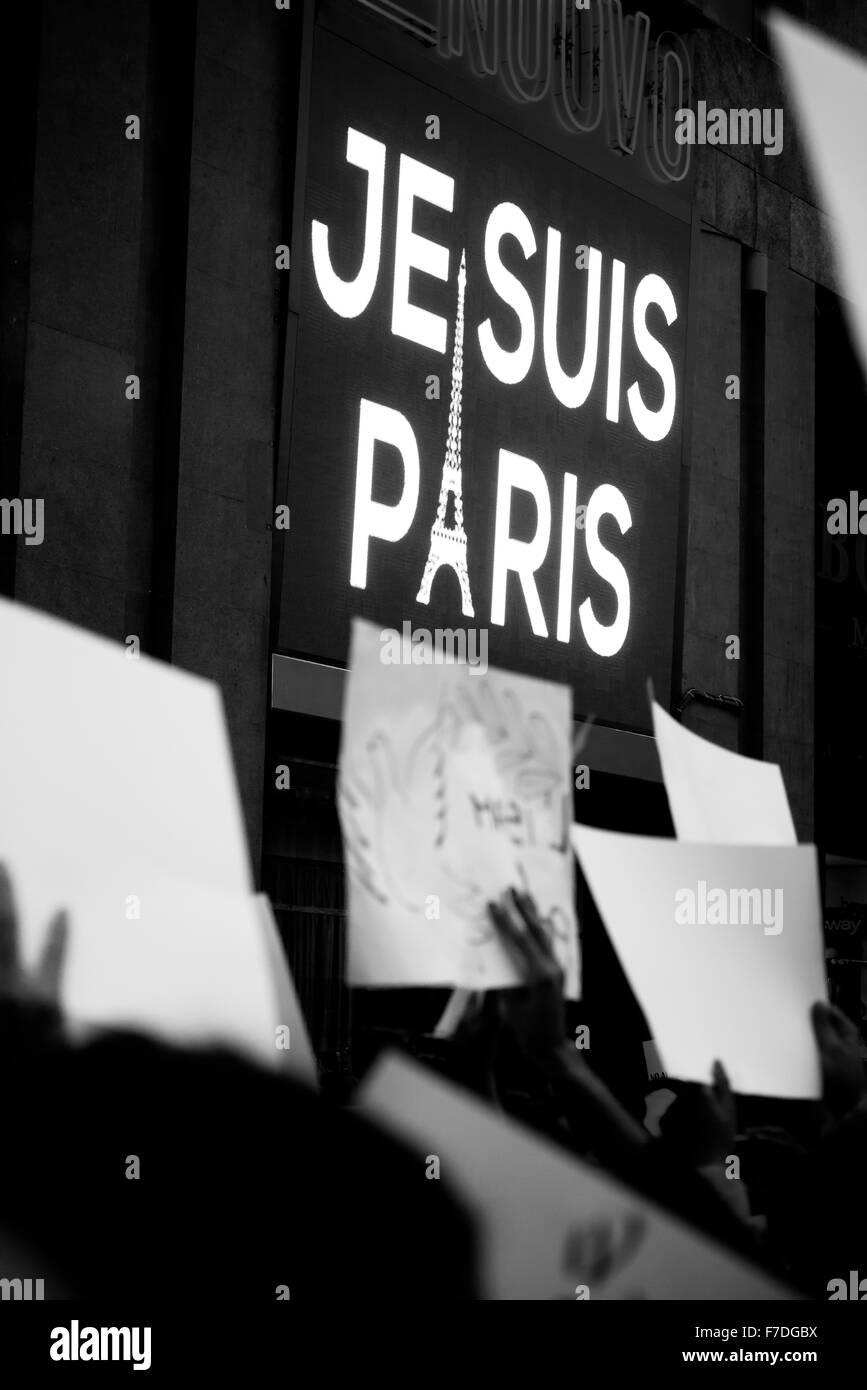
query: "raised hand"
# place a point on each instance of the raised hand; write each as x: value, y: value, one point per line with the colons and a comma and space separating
x: 534, y: 1010
x: 702, y: 1122
x: 35, y: 992
x: 843, y: 1082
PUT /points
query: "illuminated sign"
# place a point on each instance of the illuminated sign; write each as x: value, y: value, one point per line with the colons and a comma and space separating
x: 488, y: 386
x: 593, y: 69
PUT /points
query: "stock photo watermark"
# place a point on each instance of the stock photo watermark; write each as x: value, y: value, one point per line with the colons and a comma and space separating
x: 721, y: 907
x: 739, y: 126
x: 23, y: 517
x: 443, y: 646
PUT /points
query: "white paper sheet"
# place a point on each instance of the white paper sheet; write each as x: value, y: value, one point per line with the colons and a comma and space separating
x: 118, y: 762
x: 547, y: 1223
x: 298, y: 1058
x: 450, y: 1018
x: 118, y: 803
x: 720, y: 797
x: 194, y: 969
x: 454, y: 786
x: 739, y: 991
x: 829, y: 83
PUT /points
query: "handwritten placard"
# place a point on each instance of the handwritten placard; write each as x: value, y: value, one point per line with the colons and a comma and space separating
x: 454, y: 786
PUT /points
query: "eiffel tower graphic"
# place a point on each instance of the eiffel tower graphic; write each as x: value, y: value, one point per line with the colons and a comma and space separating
x: 449, y: 547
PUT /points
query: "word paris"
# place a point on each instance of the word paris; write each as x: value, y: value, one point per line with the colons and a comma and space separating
x: 735, y: 907
x: 381, y: 424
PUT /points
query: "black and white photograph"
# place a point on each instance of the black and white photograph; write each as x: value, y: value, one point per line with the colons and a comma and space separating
x: 433, y: 679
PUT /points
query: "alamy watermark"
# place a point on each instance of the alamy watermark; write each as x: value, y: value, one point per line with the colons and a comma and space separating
x: 855, y: 1290
x: 720, y: 907
x: 847, y: 519
x: 738, y: 126
x: 443, y: 646
x: 23, y: 517
x: 77, y: 1343
x: 22, y: 1289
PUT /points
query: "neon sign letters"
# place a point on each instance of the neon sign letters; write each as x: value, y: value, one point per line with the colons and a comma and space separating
x: 382, y: 424
x: 588, y: 66
x: 486, y: 378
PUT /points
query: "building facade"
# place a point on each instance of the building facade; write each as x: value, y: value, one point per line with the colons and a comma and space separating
x: 204, y: 391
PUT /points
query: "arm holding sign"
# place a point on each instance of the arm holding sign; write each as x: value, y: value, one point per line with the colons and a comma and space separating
x: 844, y: 1085
x: 29, y: 1004
x: 702, y: 1126
x: 75, y: 1223
x: 534, y: 1014
x: 820, y: 1225
x: 595, y: 1119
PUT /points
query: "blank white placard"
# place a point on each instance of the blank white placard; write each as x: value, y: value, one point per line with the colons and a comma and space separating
x: 716, y: 796
x: 118, y: 802
x: 829, y: 83
x: 739, y: 992
x: 546, y: 1222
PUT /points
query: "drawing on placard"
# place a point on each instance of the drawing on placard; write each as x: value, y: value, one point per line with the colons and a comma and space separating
x: 484, y: 772
x: 595, y: 1250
